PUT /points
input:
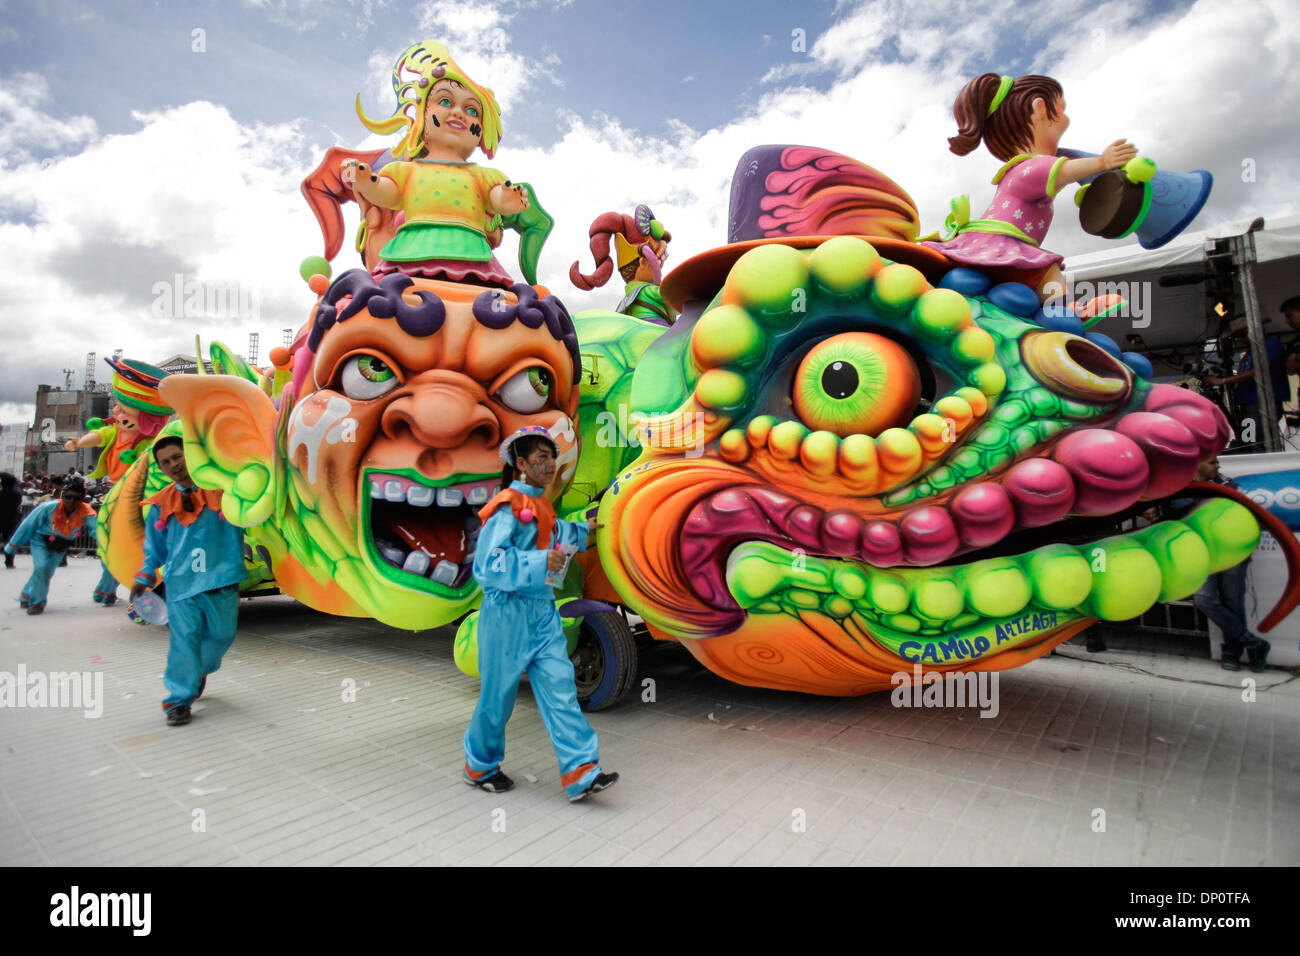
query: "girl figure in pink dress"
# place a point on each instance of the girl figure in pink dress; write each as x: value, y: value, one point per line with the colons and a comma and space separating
x: 1020, y: 121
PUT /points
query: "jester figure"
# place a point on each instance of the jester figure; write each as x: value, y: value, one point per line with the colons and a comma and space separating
x: 641, y: 249
x: 138, y: 416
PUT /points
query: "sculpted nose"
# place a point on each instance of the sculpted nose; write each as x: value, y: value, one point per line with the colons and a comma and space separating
x: 441, y: 414
x: 1075, y: 367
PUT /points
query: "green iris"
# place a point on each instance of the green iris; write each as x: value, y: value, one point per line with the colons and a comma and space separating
x: 855, y: 382
x: 373, y: 369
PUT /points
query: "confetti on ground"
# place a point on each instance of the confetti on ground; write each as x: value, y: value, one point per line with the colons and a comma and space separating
x: 327, y: 673
x: 263, y: 674
x: 98, y: 770
x: 128, y: 695
x: 309, y: 710
x: 530, y: 778
x: 204, y: 776
x: 96, y: 659
x: 396, y: 699
x: 146, y: 774
x: 201, y: 792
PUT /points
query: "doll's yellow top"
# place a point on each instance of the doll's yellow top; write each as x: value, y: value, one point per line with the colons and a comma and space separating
x: 444, y: 193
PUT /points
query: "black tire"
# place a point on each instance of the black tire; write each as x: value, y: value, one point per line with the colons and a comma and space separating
x: 605, y: 660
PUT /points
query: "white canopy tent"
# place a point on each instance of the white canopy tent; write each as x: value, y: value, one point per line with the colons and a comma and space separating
x: 1179, y: 319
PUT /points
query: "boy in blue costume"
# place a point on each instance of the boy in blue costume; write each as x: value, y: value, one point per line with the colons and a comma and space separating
x: 203, y: 561
x: 519, y: 627
x: 50, y: 529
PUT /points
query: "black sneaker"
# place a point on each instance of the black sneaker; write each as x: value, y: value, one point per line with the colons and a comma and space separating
x: 23, y: 603
x: 202, y: 684
x: 178, y: 715
x: 1095, y: 644
x: 36, y: 609
x: 110, y: 600
x: 497, y: 783
x: 603, y: 781
x: 1230, y: 663
x: 1258, y: 655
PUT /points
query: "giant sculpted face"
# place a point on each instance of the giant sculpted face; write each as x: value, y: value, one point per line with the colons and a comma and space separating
x: 361, y: 490
x: 850, y: 473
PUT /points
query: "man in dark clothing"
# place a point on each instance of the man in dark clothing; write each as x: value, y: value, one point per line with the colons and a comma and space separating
x: 1246, y: 393
x: 10, y: 498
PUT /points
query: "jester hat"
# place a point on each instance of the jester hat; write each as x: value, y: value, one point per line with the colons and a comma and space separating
x: 135, y: 385
x: 414, y: 75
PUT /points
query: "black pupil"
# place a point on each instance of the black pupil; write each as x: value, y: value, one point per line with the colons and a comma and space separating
x: 840, y: 380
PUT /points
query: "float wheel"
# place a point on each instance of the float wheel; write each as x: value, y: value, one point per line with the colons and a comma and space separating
x: 604, y: 661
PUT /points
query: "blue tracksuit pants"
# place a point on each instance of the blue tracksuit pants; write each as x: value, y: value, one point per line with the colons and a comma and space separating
x: 202, y: 630
x: 107, y: 586
x: 44, y: 562
x: 518, y: 634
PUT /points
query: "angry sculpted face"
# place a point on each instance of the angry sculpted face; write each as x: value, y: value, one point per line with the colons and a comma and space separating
x: 401, y: 396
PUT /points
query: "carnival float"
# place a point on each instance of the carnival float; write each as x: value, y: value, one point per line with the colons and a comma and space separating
x: 826, y: 452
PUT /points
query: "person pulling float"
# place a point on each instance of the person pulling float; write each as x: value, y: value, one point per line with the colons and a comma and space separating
x: 520, y: 551
x: 49, y: 531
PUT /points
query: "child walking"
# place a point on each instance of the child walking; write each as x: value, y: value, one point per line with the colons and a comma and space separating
x: 519, y: 628
x: 50, y: 529
x: 202, y: 557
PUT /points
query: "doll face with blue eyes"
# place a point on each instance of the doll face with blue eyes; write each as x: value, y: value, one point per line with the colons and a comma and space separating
x: 453, y: 121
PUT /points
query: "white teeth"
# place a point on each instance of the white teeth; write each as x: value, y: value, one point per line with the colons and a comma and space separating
x: 393, y: 490
x: 391, y: 554
x: 376, y: 489
x: 478, y: 495
x: 448, y: 497
x: 419, y: 495
x: 445, y: 572
x: 417, y: 562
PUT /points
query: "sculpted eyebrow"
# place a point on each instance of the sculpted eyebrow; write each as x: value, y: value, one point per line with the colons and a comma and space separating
x: 381, y: 299
x: 493, y: 311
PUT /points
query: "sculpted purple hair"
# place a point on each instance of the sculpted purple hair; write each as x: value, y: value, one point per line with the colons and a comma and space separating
x: 383, y: 300
x: 491, y: 310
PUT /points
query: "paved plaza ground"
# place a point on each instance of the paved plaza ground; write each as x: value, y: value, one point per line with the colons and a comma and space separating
x: 278, y: 768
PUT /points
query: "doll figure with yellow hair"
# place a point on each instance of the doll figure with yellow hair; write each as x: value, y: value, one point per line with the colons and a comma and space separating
x: 450, y: 211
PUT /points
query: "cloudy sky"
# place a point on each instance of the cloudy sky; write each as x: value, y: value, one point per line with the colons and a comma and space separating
x: 144, y: 141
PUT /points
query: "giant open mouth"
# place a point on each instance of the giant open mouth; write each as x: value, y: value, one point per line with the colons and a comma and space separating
x: 421, y: 534
x: 1044, y: 577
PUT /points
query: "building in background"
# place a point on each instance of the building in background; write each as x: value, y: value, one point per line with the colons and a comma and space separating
x: 61, y: 413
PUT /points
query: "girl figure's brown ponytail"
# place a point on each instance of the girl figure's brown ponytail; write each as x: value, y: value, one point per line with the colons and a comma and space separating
x: 1009, y: 129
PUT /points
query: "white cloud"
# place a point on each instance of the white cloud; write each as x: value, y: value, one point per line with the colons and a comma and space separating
x: 107, y: 231
x: 26, y: 129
